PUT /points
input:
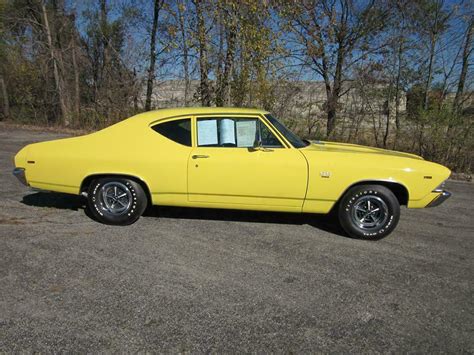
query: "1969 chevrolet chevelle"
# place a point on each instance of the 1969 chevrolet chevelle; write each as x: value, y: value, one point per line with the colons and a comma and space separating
x: 231, y: 158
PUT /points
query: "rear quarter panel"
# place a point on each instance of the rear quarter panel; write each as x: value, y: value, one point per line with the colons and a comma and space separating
x: 126, y: 149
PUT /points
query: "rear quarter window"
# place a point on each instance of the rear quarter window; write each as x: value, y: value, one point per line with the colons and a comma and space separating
x: 178, y: 131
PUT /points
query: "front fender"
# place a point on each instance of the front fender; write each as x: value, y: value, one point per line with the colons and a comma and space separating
x: 332, y: 173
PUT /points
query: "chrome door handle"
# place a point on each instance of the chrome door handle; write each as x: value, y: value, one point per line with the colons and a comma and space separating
x: 199, y: 156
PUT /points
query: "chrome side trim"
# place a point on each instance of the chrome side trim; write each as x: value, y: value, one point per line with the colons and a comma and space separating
x: 19, y: 173
x: 438, y: 200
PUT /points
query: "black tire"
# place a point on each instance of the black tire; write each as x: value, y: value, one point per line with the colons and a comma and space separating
x: 106, y: 205
x: 369, y: 212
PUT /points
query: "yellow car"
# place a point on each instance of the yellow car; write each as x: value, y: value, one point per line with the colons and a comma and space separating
x: 231, y: 158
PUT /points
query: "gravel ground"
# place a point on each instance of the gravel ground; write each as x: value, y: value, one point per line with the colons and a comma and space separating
x: 228, y: 281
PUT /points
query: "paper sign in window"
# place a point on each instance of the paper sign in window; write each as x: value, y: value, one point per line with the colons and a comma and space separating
x: 227, y: 131
x: 246, y: 130
x: 207, y: 132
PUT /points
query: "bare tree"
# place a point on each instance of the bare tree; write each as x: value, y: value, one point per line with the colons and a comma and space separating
x: 6, y: 104
x: 330, y: 32
x: 77, y: 90
x: 205, y: 91
x: 431, y: 20
x: 467, y: 50
x: 57, y: 78
x: 151, y: 69
x: 181, y: 9
x: 398, y: 83
x: 229, y: 15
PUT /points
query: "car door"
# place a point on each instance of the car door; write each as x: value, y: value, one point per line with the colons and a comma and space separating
x: 225, y: 168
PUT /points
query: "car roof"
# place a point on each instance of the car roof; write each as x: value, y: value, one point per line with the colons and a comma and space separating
x: 157, y: 115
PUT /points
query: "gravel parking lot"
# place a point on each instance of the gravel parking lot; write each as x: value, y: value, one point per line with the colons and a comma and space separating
x: 226, y: 281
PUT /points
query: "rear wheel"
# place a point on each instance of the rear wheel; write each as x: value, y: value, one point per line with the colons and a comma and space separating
x: 116, y: 201
x: 369, y: 212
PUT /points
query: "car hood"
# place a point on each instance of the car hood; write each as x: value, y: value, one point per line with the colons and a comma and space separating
x: 355, y: 149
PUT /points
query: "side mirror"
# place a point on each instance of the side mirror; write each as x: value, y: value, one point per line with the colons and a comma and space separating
x: 258, y: 146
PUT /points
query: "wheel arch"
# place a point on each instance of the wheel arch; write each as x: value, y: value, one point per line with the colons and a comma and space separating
x: 90, y: 178
x: 398, y: 189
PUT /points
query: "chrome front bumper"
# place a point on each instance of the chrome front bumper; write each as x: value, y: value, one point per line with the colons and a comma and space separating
x: 20, y: 175
x: 443, y: 196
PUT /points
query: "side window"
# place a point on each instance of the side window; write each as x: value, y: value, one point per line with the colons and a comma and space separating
x: 234, y: 132
x: 178, y: 131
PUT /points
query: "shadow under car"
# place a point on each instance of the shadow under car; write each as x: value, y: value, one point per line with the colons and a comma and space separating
x: 326, y: 223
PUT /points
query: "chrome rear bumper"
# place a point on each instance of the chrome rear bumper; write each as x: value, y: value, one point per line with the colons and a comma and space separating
x: 20, y: 175
x: 443, y: 196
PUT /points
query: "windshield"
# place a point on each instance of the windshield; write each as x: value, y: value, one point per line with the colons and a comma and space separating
x: 295, y: 141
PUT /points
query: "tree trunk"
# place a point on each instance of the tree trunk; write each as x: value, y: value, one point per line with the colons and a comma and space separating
x: 220, y: 59
x: 57, y: 28
x: 331, y: 117
x: 203, y: 62
x: 397, y: 85
x: 187, y: 80
x: 387, y: 120
x: 223, y: 94
x: 430, y: 72
x: 333, y: 99
x: 184, y: 39
x: 151, y: 69
x: 57, y: 78
x: 457, y: 105
x: 6, y: 104
x: 77, y: 93
x: 103, y: 84
x: 75, y: 68
x: 397, y: 91
x: 105, y: 33
x: 135, y: 92
x: 229, y: 64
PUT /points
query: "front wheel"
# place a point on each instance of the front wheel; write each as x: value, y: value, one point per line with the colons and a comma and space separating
x: 369, y: 212
x: 116, y: 201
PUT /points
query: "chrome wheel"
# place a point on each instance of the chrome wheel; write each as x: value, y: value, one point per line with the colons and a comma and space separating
x: 369, y: 212
x: 116, y: 198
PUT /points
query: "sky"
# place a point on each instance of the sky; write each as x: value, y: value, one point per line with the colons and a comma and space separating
x: 137, y: 41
